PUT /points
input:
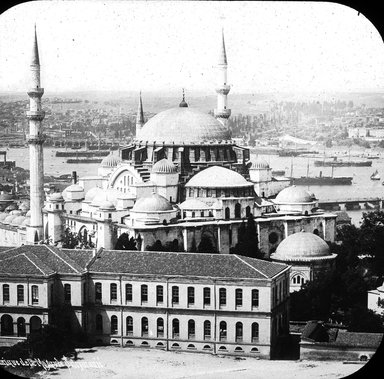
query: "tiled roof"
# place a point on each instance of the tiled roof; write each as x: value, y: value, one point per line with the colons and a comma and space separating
x: 79, y: 256
x: 359, y: 339
x: 21, y: 264
x: 4, y: 248
x: 184, y: 264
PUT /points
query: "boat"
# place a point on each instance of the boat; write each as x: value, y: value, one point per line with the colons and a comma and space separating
x: 278, y: 172
x: 84, y: 160
x: 343, y: 163
x: 375, y: 176
x: 323, y: 180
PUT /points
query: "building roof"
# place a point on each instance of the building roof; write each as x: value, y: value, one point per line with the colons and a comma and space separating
x: 359, y: 339
x: 110, y: 160
x: 152, y: 203
x: 102, y: 196
x: 81, y: 256
x: 218, y: 177
x: 56, y: 196
x: 302, y: 246
x: 293, y: 195
x: 164, y: 166
x: 193, y: 204
x: 183, y: 125
x: 260, y: 164
x: 185, y: 264
x: 91, y: 193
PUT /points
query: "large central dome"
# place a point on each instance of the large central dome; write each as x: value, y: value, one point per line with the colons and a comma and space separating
x: 183, y: 125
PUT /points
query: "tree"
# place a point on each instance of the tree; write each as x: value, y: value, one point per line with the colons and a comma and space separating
x: 125, y: 243
x: 248, y: 244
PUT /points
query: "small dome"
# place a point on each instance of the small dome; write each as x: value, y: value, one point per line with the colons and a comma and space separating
x: 91, y: 193
x: 260, y: 164
x: 292, y: 195
x: 193, y: 204
x: 218, y: 177
x: 18, y: 220
x: 109, y: 194
x: 9, y: 219
x: 74, y: 188
x: 153, y: 203
x: 56, y: 196
x: 110, y: 160
x: 302, y: 246
x: 107, y: 206
x: 6, y: 196
x: 164, y: 166
x: 16, y: 213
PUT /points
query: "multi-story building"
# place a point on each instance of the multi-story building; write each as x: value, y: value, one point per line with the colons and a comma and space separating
x: 173, y: 301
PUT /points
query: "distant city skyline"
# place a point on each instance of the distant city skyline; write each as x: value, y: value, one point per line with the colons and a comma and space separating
x: 165, y: 46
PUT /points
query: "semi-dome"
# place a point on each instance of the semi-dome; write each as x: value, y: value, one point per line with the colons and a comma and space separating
x: 193, y: 204
x: 153, y: 203
x: 110, y: 160
x: 91, y: 193
x: 302, y: 246
x: 183, y: 125
x: 293, y: 195
x: 9, y: 219
x: 164, y: 166
x: 260, y: 164
x: 109, y: 194
x: 218, y: 177
x: 107, y: 206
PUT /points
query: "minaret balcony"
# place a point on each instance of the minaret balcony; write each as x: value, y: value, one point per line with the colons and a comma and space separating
x: 35, y: 115
x: 222, y: 113
x: 35, y: 92
x: 223, y: 90
x: 36, y: 140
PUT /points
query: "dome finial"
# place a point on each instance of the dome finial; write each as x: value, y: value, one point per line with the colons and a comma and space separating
x: 183, y: 103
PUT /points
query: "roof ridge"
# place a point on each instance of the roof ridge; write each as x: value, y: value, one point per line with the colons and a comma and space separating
x: 266, y: 276
x: 45, y: 273
x: 73, y: 268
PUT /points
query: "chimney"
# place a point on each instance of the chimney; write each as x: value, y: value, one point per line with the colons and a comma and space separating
x: 74, y: 177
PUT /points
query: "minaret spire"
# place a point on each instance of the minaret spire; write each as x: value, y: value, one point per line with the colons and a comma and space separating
x: 183, y: 103
x: 139, y: 116
x: 221, y: 112
x: 35, y: 116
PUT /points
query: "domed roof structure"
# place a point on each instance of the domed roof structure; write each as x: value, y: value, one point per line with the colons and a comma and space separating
x: 56, y: 196
x: 164, y: 166
x: 109, y: 194
x: 293, y: 195
x: 91, y: 193
x: 193, y: 204
x: 107, y: 206
x: 16, y: 212
x: 153, y: 203
x: 218, y: 177
x: 18, y: 220
x: 260, y: 164
x: 110, y: 160
x: 9, y: 219
x: 74, y: 188
x: 302, y: 246
x: 183, y: 125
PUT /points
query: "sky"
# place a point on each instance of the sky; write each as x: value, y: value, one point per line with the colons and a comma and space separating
x: 169, y: 45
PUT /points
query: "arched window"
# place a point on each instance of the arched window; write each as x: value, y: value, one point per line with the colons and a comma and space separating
x: 67, y: 292
x: 6, y: 325
x: 227, y: 213
x: 273, y: 237
x: 99, y: 323
x: 160, y: 327
x: 247, y: 211
x: 20, y: 293
x: 193, y: 215
x: 175, y: 328
x: 316, y: 231
x: 175, y: 294
x: 191, y: 329
x: 128, y: 293
x: 5, y: 293
x: 35, y: 295
x: 114, y: 327
x: 144, y: 327
x: 207, y: 330
x: 98, y: 292
x: 129, y: 324
x: 237, y: 210
x: 223, y: 331
x: 113, y: 292
x: 255, y: 298
x: 35, y: 324
x: 222, y: 296
x: 255, y: 332
x: 191, y: 295
x: 239, y: 297
x: 21, y: 332
x: 239, y: 332
x: 144, y: 293
x: 159, y: 294
x: 207, y: 296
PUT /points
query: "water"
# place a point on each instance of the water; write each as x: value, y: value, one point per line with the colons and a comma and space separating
x: 361, y: 186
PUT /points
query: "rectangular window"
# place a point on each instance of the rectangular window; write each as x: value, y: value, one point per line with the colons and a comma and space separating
x: 175, y: 295
x: 255, y: 298
x: 113, y: 292
x: 159, y: 294
x: 207, y: 296
x: 5, y: 293
x: 128, y: 293
x: 98, y: 292
x: 239, y: 297
x: 35, y: 295
x: 20, y: 293
x: 222, y: 297
x: 191, y: 295
x: 67, y: 292
x: 144, y: 293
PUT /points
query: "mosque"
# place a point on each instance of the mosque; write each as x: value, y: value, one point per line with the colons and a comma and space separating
x: 182, y: 184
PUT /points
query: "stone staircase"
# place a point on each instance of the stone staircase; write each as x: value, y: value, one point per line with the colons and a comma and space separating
x: 143, y: 172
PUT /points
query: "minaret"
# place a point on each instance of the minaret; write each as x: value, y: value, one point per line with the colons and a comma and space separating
x: 139, y: 117
x: 221, y: 112
x: 35, y: 139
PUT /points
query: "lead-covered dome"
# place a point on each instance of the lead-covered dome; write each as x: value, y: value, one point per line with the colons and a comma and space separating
x: 91, y: 193
x: 183, y: 125
x: 153, y: 203
x: 110, y: 160
x: 260, y: 164
x: 302, y: 246
x: 218, y: 177
x: 164, y: 166
x: 293, y: 195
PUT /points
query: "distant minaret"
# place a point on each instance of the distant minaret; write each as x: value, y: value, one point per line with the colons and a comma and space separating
x: 35, y: 139
x: 139, y: 117
x: 221, y: 112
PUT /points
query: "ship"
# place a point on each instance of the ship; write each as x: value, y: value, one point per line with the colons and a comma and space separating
x: 323, y: 180
x: 84, y: 160
x: 86, y: 154
x: 342, y: 163
x: 375, y: 176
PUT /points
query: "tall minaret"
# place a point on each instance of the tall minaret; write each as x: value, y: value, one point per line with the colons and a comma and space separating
x: 35, y: 116
x: 221, y: 112
x: 139, y: 117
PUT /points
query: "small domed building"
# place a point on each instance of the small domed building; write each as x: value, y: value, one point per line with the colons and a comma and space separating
x: 308, y: 255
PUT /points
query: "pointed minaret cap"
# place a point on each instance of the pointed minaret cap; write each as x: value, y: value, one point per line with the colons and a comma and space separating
x: 183, y: 103
x: 35, y: 51
x: 223, y: 54
x: 140, y: 112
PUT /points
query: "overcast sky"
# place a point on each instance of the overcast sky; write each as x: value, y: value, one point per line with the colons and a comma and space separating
x: 128, y: 46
